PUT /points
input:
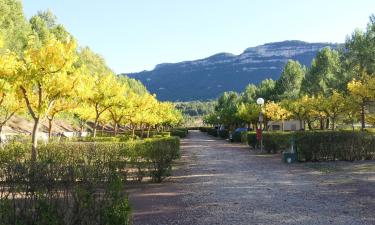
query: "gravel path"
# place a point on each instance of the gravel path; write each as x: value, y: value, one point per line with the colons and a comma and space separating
x: 216, y: 182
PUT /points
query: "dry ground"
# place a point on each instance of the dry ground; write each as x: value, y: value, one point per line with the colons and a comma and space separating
x: 216, y: 182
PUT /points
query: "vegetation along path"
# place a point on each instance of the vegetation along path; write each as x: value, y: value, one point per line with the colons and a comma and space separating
x: 216, y: 182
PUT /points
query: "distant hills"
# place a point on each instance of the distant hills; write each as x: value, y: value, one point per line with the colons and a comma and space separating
x: 207, y: 78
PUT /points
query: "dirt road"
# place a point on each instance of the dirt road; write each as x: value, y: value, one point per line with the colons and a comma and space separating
x: 216, y: 182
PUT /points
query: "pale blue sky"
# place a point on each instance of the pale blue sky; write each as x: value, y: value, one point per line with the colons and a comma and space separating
x: 135, y: 35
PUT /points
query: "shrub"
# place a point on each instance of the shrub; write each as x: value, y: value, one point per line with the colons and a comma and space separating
x: 193, y: 128
x: 244, y: 137
x: 179, y: 132
x: 224, y: 134
x: 212, y: 132
x: 78, y: 183
x: 275, y: 142
x: 252, y: 139
x: 204, y: 129
x: 335, y: 145
x: 237, y: 136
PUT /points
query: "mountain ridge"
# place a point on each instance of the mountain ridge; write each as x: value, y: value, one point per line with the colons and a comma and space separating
x: 207, y: 78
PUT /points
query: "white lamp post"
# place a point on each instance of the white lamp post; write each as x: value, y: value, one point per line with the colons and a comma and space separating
x: 218, y: 125
x: 260, y: 101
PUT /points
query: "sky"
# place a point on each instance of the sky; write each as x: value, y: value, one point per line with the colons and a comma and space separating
x: 136, y: 35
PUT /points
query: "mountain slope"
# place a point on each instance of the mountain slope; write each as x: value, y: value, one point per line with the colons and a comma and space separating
x: 207, y: 78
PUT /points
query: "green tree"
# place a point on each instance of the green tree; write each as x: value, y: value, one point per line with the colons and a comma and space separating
x: 250, y: 93
x: 323, y: 76
x: 44, y: 26
x: 266, y: 90
x: 289, y: 84
x: 13, y: 25
x: 227, y: 107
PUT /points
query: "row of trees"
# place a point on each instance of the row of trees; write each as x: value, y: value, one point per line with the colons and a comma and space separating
x: 338, y: 87
x: 44, y: 73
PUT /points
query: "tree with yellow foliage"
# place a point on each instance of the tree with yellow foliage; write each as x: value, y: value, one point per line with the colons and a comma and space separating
x: 42, y: 75
x: 275, y: 112
x: 10, y: 104
x: 363, y: 92
x: 333, y: 106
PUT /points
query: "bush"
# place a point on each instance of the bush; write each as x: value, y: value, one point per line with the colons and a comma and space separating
x: 193, y: 128
x: 101, y: 139
x: 224, y: 134
x: 335, y: 145
x: 252, y: 139
x: 239, y: 136
x: 273, y: 142
x: 78, y: 183
x: 212, y: 131
x: 179, y: 132
x: 244, y: 137
x: 204, y: 129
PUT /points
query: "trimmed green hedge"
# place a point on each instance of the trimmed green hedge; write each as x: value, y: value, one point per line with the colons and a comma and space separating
x: 320, y: 145
x: 335, y: 145
x: 78, y: 182
x: 275, y: 142
x: 212, y: 132
x: 204, y: 129
x: 252, y: 139
x: 224, y: 134
x: 193, y: 128
x: 179, y: 132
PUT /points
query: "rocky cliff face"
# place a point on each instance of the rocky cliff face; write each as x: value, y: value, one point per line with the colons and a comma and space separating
x: 207, y: 78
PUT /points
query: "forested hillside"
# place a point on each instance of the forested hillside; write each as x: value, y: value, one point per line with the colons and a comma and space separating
x: 207, y: 78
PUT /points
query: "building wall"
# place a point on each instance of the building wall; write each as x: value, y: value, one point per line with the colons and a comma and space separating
x: 289, y: 125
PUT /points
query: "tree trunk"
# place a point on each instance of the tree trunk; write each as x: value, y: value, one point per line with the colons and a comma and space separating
x: 363, y: 124
x: 102, y: 131
x: 133, y: 131
x: 148, y: 131
x: 353, y: 125
x: 95, y: 126
x: 115, y: 129
x: 34, y: 151
x: 49, y: 129
x: 301, y: 125
x: 321, y: 124
x: 142, y: 131
x: 333, y: 124
x: 327, y: 123
x: 1, y: 133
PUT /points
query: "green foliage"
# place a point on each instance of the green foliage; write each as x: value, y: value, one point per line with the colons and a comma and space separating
x: 204, y: 129
x: 275, y: 142
x: 322, y: 77
x: 179, y: 132
x: 196, y: 108
x: 13, y: 25
x: 289, y: 83
x: 212, y: 131
x: 252, y: 139
x: 237, y: 136
x: 335, y: 145
x: 78, y: 183
x: 224, y: 134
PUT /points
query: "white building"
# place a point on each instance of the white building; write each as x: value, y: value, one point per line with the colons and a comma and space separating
x: 287, y: 125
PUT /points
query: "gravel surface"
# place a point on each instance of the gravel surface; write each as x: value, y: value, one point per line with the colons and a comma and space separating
x: 217, y: 182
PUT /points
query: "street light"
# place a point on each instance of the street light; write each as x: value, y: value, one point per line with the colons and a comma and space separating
x: 260, y: 101
x: 218, y: 125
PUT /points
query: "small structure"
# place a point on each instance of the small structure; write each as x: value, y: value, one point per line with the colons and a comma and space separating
x: 287, y: 125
